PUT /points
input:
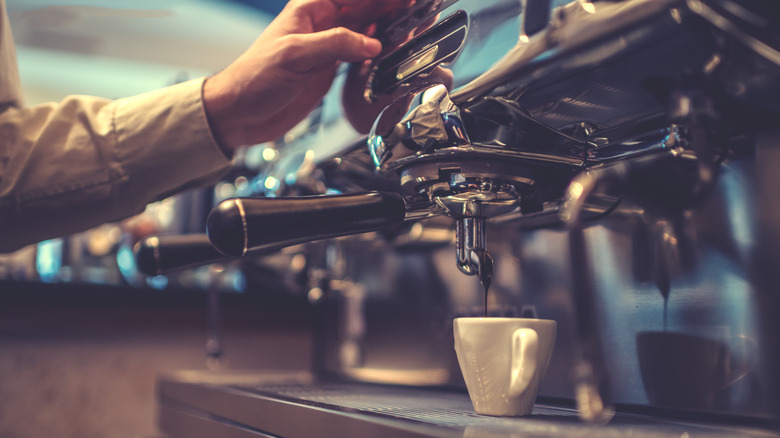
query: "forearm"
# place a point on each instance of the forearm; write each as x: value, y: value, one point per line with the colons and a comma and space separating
x: 70, y: 166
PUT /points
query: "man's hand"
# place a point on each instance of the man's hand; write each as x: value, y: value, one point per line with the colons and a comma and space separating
x: 287, y: 71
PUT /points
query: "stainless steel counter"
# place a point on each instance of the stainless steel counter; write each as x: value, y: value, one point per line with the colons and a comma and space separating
x: 196, y: 404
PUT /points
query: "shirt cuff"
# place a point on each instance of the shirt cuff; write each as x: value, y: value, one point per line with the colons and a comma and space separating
x: 164, y: 143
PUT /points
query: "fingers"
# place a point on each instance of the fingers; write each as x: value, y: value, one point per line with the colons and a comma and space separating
x: 307, y: 51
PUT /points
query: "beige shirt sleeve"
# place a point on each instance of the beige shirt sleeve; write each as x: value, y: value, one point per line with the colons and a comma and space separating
x: 69, y: 166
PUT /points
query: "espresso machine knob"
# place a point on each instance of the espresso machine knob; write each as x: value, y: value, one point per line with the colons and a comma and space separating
x: 242, y: 225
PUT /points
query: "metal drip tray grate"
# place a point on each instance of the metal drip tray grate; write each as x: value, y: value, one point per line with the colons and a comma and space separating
x: 454, y: 410
x: 309, y: 409
x: 437, y: 407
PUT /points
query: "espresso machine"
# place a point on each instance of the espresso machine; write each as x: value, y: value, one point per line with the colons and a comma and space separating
x: 606, y: 164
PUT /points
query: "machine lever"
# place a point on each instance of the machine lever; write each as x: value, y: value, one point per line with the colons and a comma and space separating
x: 239, y: 226
x: 156, y: 255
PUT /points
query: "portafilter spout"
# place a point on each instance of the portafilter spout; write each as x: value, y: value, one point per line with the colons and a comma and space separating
x: 471, y: 240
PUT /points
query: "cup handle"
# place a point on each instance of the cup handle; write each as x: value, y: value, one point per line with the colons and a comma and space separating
x: 525, y: 351
x: 750, y: 348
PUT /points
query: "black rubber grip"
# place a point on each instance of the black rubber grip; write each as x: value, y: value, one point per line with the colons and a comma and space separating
x: 243, y: 225
x: 156, y: 255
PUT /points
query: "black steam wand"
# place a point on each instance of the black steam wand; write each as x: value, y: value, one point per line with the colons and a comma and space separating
x: 668, y: 181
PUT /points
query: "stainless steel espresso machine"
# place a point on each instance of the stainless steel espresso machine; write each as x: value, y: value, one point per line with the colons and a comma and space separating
x: 611, y: 165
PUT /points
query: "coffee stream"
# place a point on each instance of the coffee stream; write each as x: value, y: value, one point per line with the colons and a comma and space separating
x: 485, y: 273
x: 664, y: 286
x: 666, y: 310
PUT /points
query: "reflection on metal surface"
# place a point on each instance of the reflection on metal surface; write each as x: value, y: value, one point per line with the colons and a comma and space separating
x: 417, y: 63
x: 423, y: 377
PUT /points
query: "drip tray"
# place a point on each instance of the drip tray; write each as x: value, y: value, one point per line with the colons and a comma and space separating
x: 290, y: 405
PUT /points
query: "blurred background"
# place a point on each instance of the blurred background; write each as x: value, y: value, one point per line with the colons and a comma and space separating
x: 82, y: 333
x: 120, y: 47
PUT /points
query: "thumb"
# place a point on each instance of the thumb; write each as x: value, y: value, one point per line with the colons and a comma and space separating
x: 336, y: 44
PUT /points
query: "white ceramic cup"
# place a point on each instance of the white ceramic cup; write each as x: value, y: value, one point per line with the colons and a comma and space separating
x: 503, y: 361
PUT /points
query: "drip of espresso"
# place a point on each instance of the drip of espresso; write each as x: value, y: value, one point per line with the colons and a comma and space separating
x: 487, y: 287
x: 665, y: 287
x: 666, y: 309
x: 664, y: 284
x: 485, y: 273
